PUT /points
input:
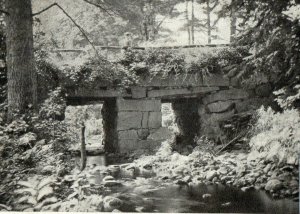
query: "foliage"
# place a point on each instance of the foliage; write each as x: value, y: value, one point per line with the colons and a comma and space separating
x: 153, y: 62
x: 273, y: 38
x: 54, y: 106
x: 288, y: 97
x: 48, y: 75
x: 205, y: 145
x: 134, y: 65
x: 36, y: 192
x: 276, y: 135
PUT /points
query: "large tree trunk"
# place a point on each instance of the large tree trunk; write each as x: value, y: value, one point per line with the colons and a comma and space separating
x: 22, y: 85
x: 187, y: 20
x: 193, y: 23
x: 233, y: 19
x: 208, y: 22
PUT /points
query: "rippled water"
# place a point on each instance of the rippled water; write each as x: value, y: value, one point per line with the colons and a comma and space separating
x: 142, y: 194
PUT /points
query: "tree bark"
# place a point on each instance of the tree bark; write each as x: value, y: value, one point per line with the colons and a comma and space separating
x: 208, y: 22
x: 233, y: 19
x: 22, y: 82
x: 193, y: 23
x: 187, y: 20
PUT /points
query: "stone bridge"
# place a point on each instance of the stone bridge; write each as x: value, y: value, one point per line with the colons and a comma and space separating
x: 200, y: 104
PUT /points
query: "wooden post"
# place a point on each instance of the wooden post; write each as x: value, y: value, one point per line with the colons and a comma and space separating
x: 83, y: 149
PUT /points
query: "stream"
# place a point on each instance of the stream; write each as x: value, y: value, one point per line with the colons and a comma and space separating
x: 143, y: 192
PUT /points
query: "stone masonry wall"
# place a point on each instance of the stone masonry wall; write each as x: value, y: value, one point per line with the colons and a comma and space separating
x: 136, y: 120
x: 224, y: 104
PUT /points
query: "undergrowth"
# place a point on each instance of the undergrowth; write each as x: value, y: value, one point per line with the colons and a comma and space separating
x: 276, y: 136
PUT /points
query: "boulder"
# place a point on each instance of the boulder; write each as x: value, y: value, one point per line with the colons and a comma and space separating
x: 206, y: 196
x: 27, y: 138
x: 210, y: 175
x: 108, y: 178
x: 273, y: 185
x: 48, y: 170
x: 112, y: 183
x: 111, y: 203
x: 220, y: 106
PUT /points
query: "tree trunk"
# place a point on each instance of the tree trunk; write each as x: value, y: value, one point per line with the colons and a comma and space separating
x: 193, y: 23
x: 187, y: 20
x: 208, y: 22
x: 22, y: 82
x: 233, y: 24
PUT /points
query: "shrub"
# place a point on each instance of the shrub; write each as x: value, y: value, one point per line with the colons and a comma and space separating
x: 276, y: 136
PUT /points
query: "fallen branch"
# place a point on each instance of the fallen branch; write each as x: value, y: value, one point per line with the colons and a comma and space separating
x: 74, y: 22
x: 231, y: 142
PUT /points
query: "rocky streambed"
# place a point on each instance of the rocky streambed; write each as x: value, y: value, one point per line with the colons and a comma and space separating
x: 199, y: 182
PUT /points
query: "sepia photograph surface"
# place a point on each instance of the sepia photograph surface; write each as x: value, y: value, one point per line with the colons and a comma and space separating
x: 150, y: 106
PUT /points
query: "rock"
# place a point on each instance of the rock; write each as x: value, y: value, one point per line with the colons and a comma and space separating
x: 227, y: 204
x: 206, y: 196
x: 147, y: 166
x: 292, y: 159
x: 211, y: 175
x: 187, y: 179
x: 108, y: 178
x: 112, y: 183
x: 267, y: 168
x: 48, y: 170
x: 273, y: 185
x: 295, y: 193
x: 293, y: 184
x: 62, y: 172
x: 245, y: 189
x: 27, y: 138
x: 220, y: 106
x: 111, y: 203
x: 240, y: 170
x: 40, y: 142
x: 181, y: 183
x: 215, y: 179
x: 223, y: 171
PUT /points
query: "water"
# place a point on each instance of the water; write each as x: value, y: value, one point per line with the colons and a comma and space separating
x: 141, y: 194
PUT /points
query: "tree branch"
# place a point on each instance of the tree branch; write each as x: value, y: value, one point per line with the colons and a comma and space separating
x: 74, y: 22
x: 43, y: 10
x: 216, y: 21
x: 99, y: 6
x: 213, y: 7
x: 160, y: 23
